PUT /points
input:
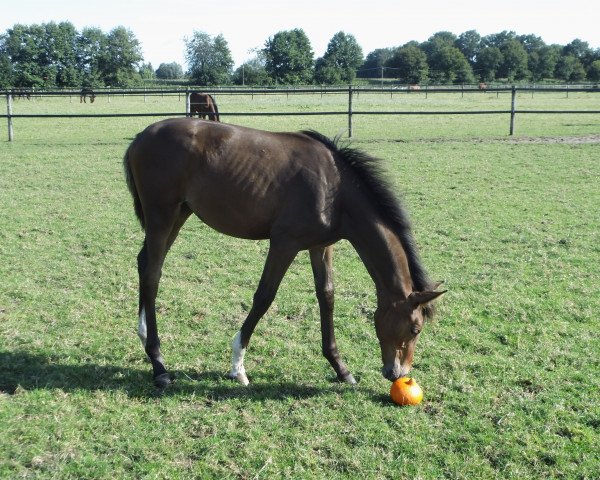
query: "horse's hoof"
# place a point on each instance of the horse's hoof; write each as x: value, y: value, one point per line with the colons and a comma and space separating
x: 163, y: 381
x: 241, y: 378
x: 349, y: 379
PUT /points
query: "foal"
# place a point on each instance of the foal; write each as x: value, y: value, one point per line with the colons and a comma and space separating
x: 300, y: 191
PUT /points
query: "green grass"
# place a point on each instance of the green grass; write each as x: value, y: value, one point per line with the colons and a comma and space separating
x: 509, y: 367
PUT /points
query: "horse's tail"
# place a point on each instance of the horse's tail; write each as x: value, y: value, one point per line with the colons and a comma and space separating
x: 216, y: 108
x: 137, y: 204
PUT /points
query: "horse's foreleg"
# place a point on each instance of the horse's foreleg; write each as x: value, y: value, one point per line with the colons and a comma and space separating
x: 321, y: 261
x: 277, y: 263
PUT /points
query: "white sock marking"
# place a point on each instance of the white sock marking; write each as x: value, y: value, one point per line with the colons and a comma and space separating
x: 142, y: 330
x: 237, y: 362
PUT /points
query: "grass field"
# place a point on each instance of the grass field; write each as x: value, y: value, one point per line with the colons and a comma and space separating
x: 509, y: 367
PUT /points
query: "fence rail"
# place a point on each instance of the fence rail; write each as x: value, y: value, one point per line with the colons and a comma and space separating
x: 350, y: 91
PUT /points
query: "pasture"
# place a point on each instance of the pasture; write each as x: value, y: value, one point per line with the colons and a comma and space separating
x: 509, y: 367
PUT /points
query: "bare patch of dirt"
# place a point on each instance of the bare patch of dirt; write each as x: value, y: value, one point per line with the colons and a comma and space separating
x: 579, y: 140
x: 518, y: 140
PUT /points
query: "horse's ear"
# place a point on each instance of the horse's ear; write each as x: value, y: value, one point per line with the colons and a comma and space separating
x: 436, y: 285
x: 423, y: 298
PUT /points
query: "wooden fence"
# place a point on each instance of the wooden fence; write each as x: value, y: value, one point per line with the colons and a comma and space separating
x: 351, y: 92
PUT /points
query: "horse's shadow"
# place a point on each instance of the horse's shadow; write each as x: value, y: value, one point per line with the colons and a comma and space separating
x: 24, y: 371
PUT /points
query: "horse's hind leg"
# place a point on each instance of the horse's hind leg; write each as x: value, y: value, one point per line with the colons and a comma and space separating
x: 160, y: 235
x: 321, y: 261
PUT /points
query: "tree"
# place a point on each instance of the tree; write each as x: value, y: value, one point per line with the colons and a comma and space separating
x: 60, y: 49
x: 469, y: 43
x: 253, y: 72
x: 23, y: 46
x: 488, y: 62
x: 146, y: 71
x: 375, y: 62
x: 577, y: 48
x: 169, y: 71
x: 5, y: 68
x: 498, y: 39
x: 449, y: 65
x: 54, y: 54
x: 438, y: 41
x: 410, y: 63
x: 326, y: 73
x: 570, y: 69
x: 582, y: 51
x: 340, y: 61
x: 531, y: 43
x: 542, y: 62
x: 209, y: 59
x: 91, y: 44
x: 289, y: 57
x: 594, y: 71
x: 514, y: 65
x: 118, y: 61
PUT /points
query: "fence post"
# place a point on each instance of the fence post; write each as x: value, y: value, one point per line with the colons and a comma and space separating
x: 350, y: 111
x: 187, y: 102
x: 513, y: 102
x: 9, y: 112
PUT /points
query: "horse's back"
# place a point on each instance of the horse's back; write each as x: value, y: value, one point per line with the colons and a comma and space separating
x: 241, y: 181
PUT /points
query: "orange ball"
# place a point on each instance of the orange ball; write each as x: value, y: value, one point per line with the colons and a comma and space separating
x: 406, y: 391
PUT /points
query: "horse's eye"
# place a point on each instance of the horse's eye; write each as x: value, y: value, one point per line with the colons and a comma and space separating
x: 416, y: 330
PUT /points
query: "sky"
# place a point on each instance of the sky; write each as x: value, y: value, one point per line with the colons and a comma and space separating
x: 161, y: 26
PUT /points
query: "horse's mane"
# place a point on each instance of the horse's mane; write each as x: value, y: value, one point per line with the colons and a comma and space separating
x: 369, y: 170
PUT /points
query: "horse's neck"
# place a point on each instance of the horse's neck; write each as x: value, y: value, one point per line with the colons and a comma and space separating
x: 381, y: 251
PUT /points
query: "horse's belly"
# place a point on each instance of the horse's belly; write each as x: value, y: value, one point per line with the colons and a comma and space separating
x: 234, y: 212
x: 249, y: 228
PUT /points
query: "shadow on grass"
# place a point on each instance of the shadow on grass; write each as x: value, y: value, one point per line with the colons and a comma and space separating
x: 25, y: 371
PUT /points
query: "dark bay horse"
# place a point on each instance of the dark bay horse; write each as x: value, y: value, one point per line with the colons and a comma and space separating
x: 21, y: 93
x: 204, y: 105
x: 87, y: 93
x: 301, y: 191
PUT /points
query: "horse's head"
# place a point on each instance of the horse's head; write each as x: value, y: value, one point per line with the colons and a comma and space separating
x: 398, y: 325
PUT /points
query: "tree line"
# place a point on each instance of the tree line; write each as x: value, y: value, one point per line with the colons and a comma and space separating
x: 57, y: 55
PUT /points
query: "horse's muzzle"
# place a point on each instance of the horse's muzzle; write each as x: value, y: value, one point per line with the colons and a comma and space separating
x: 394, y: 373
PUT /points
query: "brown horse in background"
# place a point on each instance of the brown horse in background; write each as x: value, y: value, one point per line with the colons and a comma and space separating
x: 204, y: 105
x: 21, y: 93
x: 300, y: 191
x: 87, y: 93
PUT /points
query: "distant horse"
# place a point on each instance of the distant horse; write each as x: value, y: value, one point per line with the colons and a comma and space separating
x: 21, y: 93
x: 414, y: 88
x: 301, y: 191
x: 204, y: 105
x: 87, y: 92
x: 482, y: 86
